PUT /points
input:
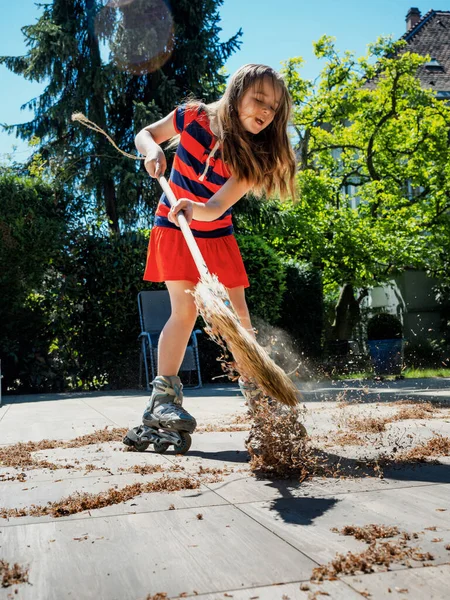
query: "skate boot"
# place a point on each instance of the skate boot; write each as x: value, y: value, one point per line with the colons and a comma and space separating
x: 165, y: 422
x: 165, y: 407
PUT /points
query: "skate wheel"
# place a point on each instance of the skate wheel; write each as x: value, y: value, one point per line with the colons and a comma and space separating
x: 161, y: 447
x: 136, y: 446
x: 185, y: 444
x: 126, y: 440
x: 141, y: 446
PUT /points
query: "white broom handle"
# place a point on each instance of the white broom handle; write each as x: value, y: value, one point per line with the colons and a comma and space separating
x: 186, y: 230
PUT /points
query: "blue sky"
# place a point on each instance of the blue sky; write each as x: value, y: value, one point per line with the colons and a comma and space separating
x: 273, y: 31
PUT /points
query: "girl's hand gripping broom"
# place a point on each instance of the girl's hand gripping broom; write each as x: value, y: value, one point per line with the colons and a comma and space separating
x: 213, y: 303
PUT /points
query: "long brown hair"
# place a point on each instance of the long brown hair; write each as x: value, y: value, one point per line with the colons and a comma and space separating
x: 266, y: 159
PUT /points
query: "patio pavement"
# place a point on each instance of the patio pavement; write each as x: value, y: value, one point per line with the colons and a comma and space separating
x: 240, y: 536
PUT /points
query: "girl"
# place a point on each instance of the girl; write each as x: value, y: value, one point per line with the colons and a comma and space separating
x: 225, y: 149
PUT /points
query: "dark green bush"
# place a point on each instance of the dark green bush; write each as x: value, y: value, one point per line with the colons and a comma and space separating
x: 267, y: 278
x: 384, y: 326
x: 303, y: 307
x: 423, y: 354
x: 95, y: 326
x: 76, y: 315
x: 32, y: 232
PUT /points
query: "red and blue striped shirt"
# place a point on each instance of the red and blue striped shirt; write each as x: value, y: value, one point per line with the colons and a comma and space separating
x: 198, y: 171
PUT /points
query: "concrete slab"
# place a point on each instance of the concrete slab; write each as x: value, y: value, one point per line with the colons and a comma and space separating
x: 129, y: 557
x: 337, y: 590
x: 430, y: 583
x: 306, y: 523
x: 254, y: 532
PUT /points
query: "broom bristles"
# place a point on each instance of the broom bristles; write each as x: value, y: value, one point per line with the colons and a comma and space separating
x: 252, y: 360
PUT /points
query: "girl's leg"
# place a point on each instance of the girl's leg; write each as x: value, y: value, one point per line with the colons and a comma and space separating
x: 164, y: 408
x: 237, y: 297
x: 177, y: 331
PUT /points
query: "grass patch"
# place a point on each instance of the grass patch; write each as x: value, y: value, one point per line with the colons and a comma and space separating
x: 408, y: 373
x: 412, y: 373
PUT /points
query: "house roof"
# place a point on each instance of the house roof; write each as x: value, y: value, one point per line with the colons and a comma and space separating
x: 431, y: 35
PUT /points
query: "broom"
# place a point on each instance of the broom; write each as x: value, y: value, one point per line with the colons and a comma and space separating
x: 213, y: 303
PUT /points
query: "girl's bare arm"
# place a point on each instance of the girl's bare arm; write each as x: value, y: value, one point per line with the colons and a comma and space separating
x: 229, y: 194
x: 147, y: 142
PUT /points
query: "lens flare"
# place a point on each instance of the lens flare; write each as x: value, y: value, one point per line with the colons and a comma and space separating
x: 139, y: 34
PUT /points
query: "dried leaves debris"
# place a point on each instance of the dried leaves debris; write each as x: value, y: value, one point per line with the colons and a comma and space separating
x: 279, y: 447
x: 377, y: 424
x: 79, y: 502
x: 438, y: 445
x: 277, y: 443
x: 378, y: 554
x: 19, y: 455
x: 12, y: 575
x: 368, y: 533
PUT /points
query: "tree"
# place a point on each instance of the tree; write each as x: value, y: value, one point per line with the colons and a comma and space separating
x: 367, y: 123
x: 121, y: 94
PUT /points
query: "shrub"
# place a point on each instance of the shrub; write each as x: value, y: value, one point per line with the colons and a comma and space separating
x: 303, y: 307
x: 32, y: 234
x: 267, y: 278
x: 384, y: 326
x: 423, y: 354
x: 96, y: 324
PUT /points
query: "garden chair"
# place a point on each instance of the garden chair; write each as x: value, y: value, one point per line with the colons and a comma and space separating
x: 154, y: 311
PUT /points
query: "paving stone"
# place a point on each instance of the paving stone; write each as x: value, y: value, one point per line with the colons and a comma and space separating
x: 33, y: 431
x: 337, y: 590
x: 306, y: 523
x: 428, y: 583
x: 275, y: 534
x: 135, y: 555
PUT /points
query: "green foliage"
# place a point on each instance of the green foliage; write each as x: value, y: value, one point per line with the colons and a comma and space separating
x: 121, y: 94
x: 93, y: 308
x: 374, y: 180
x: 384, y: 326
x: 267, y: 278
x: 302, y: 308
x: 424, y: 354
x: 74, y: 322
x: 32, y: 233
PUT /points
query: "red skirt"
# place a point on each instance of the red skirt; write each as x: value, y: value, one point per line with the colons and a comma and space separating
x: 169, y: 258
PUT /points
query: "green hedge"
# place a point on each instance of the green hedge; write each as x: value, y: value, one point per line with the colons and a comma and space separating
x: 302, y: 307
x: 85, y: 320
x: 32, y: 232
x: 95, y: 326
x: 267, y: 278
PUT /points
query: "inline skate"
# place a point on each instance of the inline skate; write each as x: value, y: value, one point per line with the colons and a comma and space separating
x: 165, y: 422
